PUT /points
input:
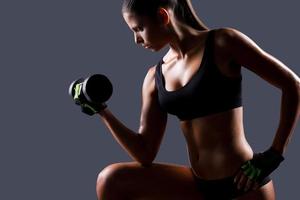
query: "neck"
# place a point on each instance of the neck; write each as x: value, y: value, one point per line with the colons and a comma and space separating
x: 183, y: 39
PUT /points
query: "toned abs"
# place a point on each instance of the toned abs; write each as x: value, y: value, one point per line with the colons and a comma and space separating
x: 216, y: 144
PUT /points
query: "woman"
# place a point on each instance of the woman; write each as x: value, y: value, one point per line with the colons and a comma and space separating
x: 199, y: 81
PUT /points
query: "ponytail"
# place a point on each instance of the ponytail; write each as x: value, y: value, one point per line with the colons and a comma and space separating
x: 186, y: 13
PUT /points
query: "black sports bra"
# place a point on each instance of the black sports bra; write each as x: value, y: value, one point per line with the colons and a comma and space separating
x: 207, y: 92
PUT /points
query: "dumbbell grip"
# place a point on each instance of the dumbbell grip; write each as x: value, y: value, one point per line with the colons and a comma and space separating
x: 91, y: 93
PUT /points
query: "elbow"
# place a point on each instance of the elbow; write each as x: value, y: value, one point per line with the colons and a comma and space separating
x: 298, y: 89
x: 293, y: 86
x: 148, y: 154
x: 292, y: 93
x: 146, y: 159
x: 296, y: 86
x: 145, y: 162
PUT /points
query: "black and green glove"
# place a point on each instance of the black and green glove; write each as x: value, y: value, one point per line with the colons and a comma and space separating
x: 262, y: 164
x: 87, y: 107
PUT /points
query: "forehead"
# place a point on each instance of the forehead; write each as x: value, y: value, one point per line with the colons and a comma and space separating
x: 133, y: 19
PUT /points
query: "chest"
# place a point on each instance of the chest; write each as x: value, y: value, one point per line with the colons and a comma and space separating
x: 178, y: 73
x: 200, y: 89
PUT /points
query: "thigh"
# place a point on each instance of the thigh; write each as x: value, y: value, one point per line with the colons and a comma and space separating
x: 265, y: 192
x: 158, y: 181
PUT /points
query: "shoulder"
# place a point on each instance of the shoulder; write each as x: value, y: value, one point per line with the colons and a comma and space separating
x: 150, y: 74
x: 230, y: 42
x: 149, y: 80
x: 245, y: 52
x: 231, y: 39
x: 225, y: 37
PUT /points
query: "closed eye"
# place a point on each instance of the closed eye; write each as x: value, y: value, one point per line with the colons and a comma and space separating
x: 137, y: 29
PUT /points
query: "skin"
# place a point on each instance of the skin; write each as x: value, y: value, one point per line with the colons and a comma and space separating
x: 216, y: 143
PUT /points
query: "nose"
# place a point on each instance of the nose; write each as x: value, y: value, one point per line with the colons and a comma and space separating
x: 137, y: 38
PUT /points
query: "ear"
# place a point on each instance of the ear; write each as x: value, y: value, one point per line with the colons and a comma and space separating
x: 163, y: 16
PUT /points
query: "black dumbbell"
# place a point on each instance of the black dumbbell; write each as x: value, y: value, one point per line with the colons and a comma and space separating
x: 92, y: 92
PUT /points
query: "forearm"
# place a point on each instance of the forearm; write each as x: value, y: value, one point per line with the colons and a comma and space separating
x: 131, y: 141
x: 289, y: 115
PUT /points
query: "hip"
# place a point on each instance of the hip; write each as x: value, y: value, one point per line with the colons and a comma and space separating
x: 218, y: 163
x: 224, y: 188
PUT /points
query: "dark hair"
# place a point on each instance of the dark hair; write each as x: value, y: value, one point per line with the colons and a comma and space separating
x: 182, y: 9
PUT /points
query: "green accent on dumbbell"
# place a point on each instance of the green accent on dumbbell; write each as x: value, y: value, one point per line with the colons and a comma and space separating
x: 89, y: 107
x: 77, y: 90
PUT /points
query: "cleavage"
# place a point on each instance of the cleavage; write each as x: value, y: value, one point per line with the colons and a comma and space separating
x: 178, y: 73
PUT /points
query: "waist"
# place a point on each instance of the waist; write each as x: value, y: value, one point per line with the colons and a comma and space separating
x: 218, y: 163
x: 191, y: 107
x: 216, y: 144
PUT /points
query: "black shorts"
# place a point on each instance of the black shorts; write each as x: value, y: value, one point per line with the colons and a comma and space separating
x: 222, y: 189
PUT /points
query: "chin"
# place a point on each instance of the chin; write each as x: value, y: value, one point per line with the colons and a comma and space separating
x: 156, y: 48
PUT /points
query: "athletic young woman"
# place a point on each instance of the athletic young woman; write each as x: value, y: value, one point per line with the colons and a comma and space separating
x: 198, y: 80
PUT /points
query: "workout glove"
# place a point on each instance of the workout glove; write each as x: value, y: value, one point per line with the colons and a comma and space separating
x: 262, y: 164
x: 86, y: 106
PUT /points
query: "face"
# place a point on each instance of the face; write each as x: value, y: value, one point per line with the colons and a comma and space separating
x: 147, y: 32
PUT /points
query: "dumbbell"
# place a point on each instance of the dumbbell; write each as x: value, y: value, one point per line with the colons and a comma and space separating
x: 91, y: 93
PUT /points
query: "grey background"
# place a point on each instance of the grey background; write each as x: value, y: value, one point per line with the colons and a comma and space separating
x: 50, y: 150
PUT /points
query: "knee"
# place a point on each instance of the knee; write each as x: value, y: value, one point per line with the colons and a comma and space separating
x: 111, y: 178
x: 108, y: 175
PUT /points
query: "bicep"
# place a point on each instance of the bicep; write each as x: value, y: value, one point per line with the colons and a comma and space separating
x: 248, y: 54
x: 152, y: 120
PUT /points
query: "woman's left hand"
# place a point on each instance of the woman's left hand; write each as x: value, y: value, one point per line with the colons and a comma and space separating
x: 245, y: 183
x: 252, y: 172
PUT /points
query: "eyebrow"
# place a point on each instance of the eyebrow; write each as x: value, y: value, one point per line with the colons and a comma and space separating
x: 135, y: 28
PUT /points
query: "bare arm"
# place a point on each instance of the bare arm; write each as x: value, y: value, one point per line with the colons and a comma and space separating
x: 143, y: 145
x: 247, y: 54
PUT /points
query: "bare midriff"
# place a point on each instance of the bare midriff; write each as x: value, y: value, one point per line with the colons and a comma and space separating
x: 216, y: 144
